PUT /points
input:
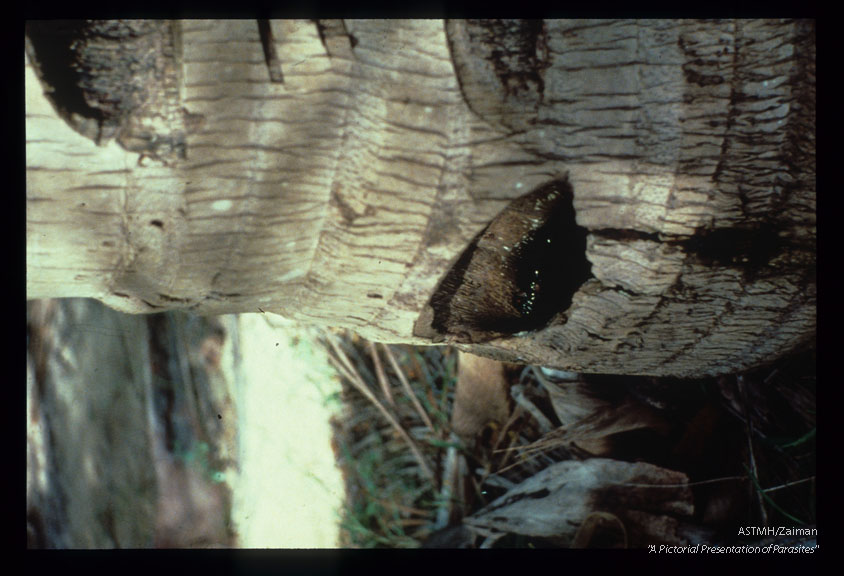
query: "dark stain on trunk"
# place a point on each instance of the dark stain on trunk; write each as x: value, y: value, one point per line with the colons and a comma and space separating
x: 270, y: 51
x: 116, y: 79
x: 500, y: 66
x: 749, y: 248
x: 336, y: 38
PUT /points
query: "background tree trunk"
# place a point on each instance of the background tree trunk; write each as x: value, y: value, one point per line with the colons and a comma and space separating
x: 130, y: 420
x: 626, y: 197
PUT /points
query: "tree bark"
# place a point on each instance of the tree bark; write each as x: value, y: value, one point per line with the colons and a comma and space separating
x: 626, y: 197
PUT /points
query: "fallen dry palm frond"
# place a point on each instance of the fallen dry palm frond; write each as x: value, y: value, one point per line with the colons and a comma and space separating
x: 556, y: 501
x: 381, y: 376
x: 406, y: 387
x: 601, y: 530
x: 390, y: 500
x: 345, y: 367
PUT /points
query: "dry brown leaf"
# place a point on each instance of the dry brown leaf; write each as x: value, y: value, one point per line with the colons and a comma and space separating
x: 481, y: 397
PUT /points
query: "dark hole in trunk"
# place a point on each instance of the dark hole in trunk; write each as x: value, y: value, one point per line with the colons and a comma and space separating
x: 517, y: 274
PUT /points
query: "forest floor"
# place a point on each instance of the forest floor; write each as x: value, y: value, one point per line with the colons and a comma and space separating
x: 172, y: 430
